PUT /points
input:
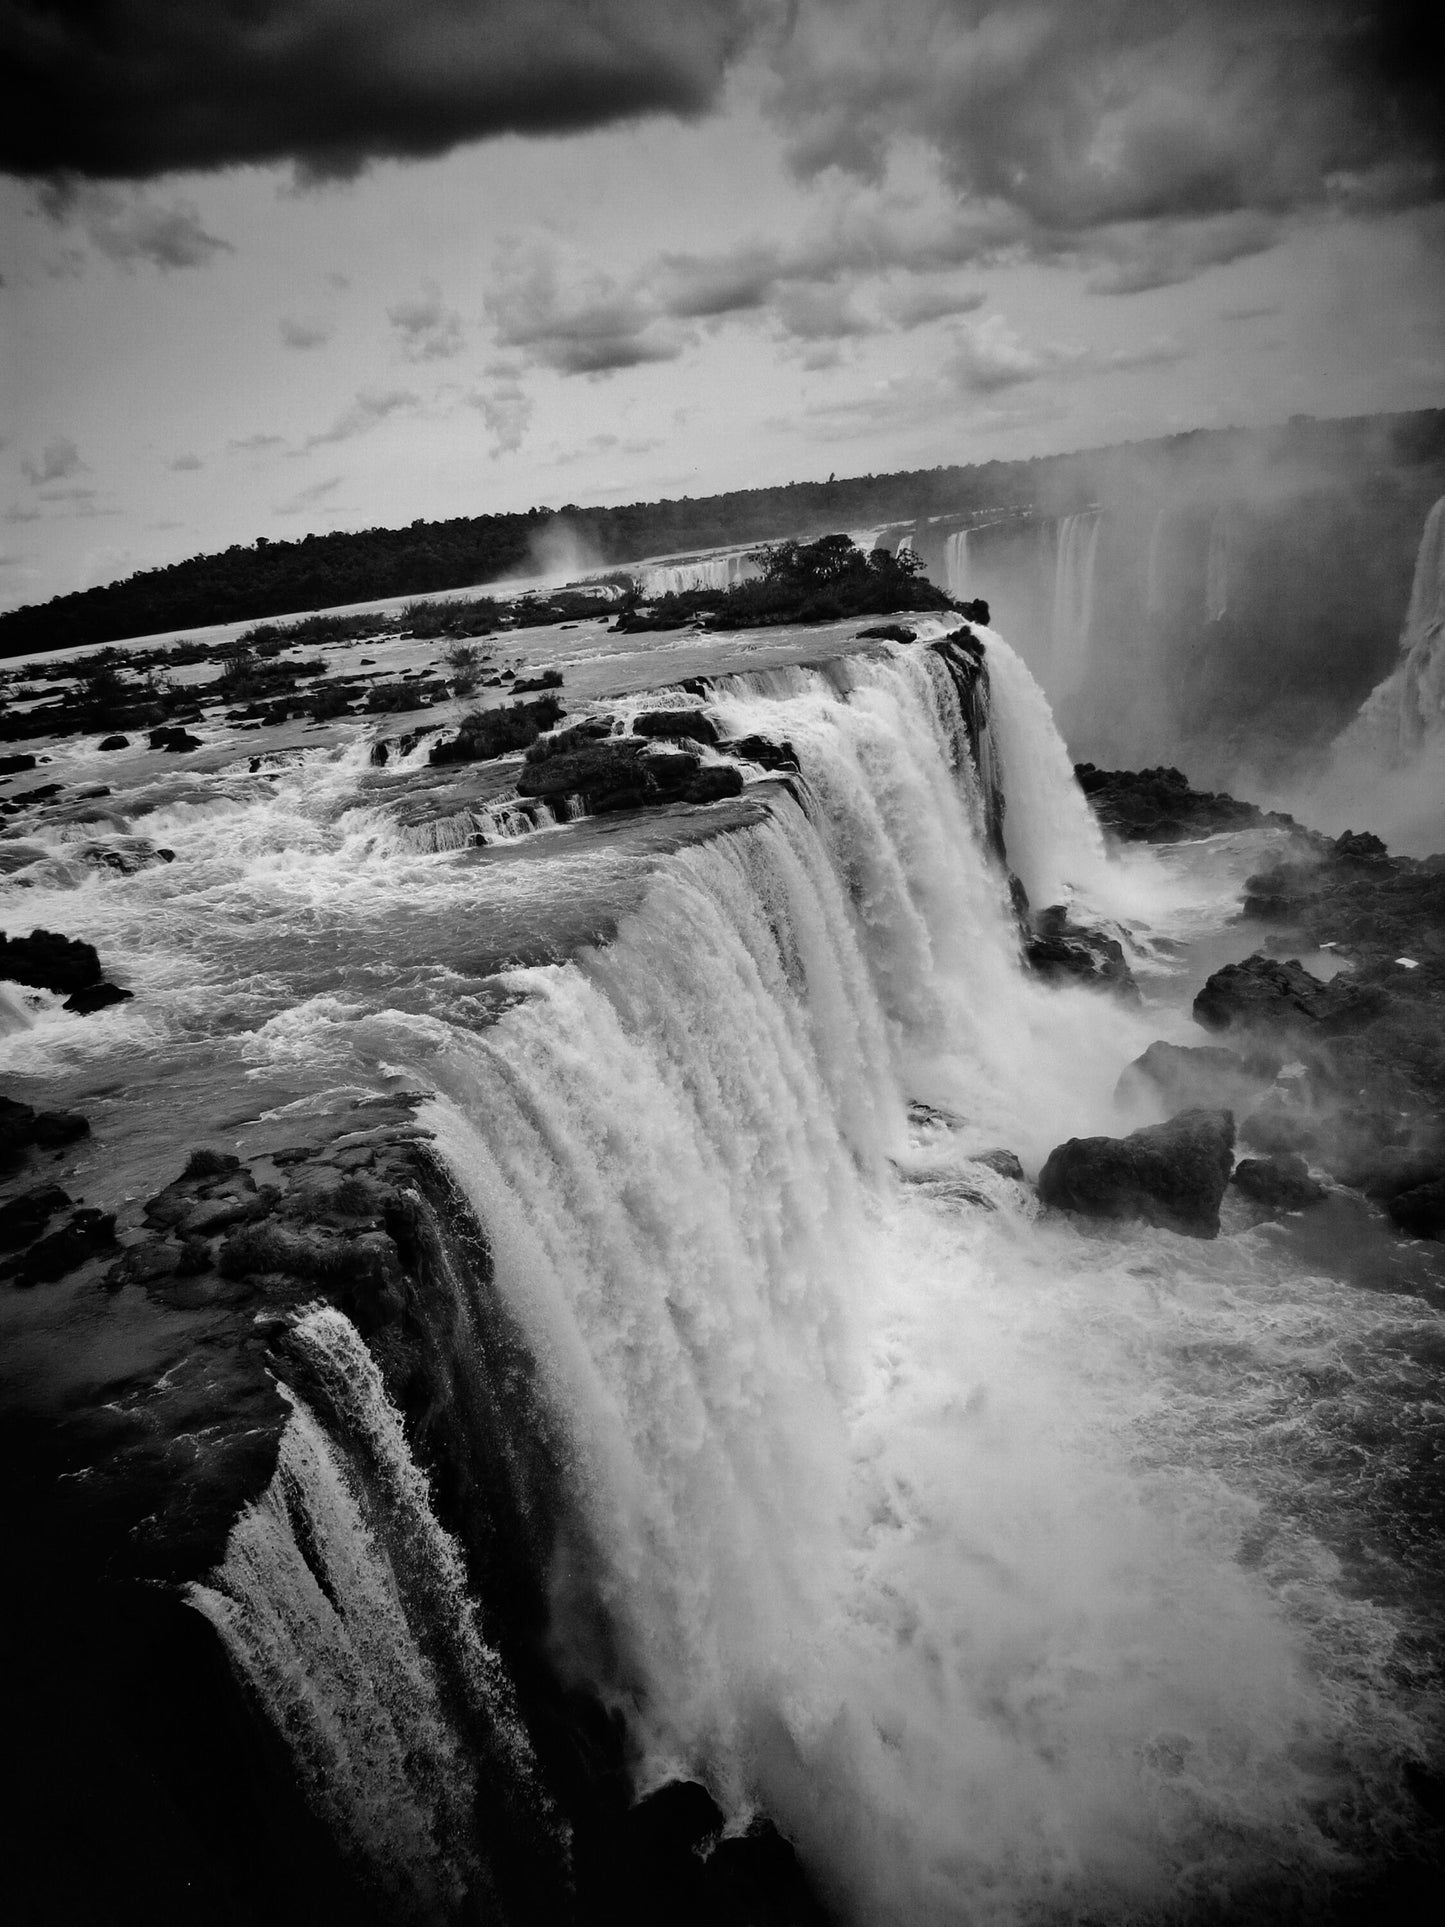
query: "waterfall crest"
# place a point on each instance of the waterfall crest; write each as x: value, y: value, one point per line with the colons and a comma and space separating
x: 1408, y: 708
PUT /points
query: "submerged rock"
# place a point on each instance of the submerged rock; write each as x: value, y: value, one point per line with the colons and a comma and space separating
x: 1172, y: 1175
x: 1191, y: 1076
x: 1282, y: 1183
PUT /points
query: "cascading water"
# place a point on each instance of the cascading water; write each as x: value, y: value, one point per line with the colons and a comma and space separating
x: 705, y: 572
x: 1073, y: 609
x: 1216, y: 569
x: 955, y: 564
x: 854, y: 1467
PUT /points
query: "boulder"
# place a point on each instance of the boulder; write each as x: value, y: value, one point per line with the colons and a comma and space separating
x: 87, y: 1232
x: 48, y: 961
x: 1281, y: 1183
x: 1278, y: 1126
x: 1172, y: 1175
x: 764, y: 752
x: 1191, y: 1076
x: 13, y: 765
x: 1062, y: 951
x: 173, y: 738
x: 1004, y: 1162
x: 1263, y: 994
x: 97, y: 997
x: 22, y: 1128
x: 23, y: 1218
x: 114, y: 742
x: 684, y: 725
x: 1419, y: 1211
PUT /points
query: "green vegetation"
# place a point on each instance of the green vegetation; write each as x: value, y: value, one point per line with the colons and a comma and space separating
x: 818, y: 581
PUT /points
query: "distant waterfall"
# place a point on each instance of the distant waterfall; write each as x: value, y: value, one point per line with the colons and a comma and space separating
x: 1154, y: 567
x: 1216, y: 569
x: 1073, y: 611
x: 1407, y: 710
x: 955, y: 562
x: 703, y: 572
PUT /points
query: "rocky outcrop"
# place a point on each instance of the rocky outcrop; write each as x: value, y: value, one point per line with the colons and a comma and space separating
x: 1262, y: 994
x: 1172, y: 1175
x: 24, y: 1129
x: 1159, y: 806
x: 48, y: 961
x: 496, y: 732
x: 1062, y: 951
x: 1279, y: 1183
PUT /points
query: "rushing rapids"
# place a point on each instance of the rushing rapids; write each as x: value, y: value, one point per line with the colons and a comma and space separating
x: 1015, y: 1571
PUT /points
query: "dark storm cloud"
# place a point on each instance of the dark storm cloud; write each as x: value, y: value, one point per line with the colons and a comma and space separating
x: 126, y: 89
x: 1112, y: 117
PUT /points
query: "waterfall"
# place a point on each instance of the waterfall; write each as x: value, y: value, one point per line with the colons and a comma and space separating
x: 1216, y: 569
x: 344, y: 1606
x: 955, y: 563
x: 1073, y: 608
x: 702, y: 572
x: 1405, y: 713
x: 858, y: 1567
x: 1154, y: 567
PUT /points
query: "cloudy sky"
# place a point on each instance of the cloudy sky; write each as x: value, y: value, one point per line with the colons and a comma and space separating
x: 279, y: 265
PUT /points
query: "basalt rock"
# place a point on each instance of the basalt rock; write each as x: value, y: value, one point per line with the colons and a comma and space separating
x: 114, y: 742
x: 23, y: 1128
x: 494, y: 732
x: 23, y: 1218
x: 763, y: 751
x: 1280, y: 1183
x: 1419, y: 1209
x: 87, y: 1232
x: 1172, y: 1175
x: 1264, y: 994
x: 684, y: 725
x: 174, y: 739
x: 1159, y: 806
x: 97, y: 997
x: 1061, y: 950
x: 14, y: 765
x: 48, y: 961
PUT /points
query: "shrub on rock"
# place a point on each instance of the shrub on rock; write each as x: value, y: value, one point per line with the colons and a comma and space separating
x: 1172, y: 1175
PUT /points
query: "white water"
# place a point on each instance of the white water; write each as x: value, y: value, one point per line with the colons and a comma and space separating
x: 703, y: 572
x: 1073, y: 609
x: 316, y: 1618
x: 955, y: 566
x: 895, y: 1502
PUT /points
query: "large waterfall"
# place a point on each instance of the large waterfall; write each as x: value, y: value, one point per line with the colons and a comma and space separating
x: 888, y: 1511
x: 1408, y: 709
x: 700, y: 572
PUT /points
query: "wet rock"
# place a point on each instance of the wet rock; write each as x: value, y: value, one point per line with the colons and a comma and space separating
x: 64, y: 1251
x: 684, y: 725
x: 14, y: 765
x: 49, y: 961
x: 114, y: 742
x: 763, y: 751
x: 1006, y: 1163
x: 22, y: 1129
x: 712, y: 783
x: 1172, y: 1175
x: 1062, y: 951
x: 1281, y: 1183
x: 97, y: 997
x: 1419, y: 1210
x: 1280, y: 1126
x: 1192, y: 1076
x: 1158, y: 805
x: 175, y: 739
x: 23, y: 1218
x: 486, y: 733
x: 888, y: 632
x: 143, y: 1264
x: 1263, y: 994
x: 526, y: 685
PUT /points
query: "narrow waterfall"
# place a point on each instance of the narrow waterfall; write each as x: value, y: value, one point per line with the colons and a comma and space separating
x: 955, y: 562
x: 1216, y: 569
x: 1407, y: 710
x: 1154, y: 567
x: 1073, y: 607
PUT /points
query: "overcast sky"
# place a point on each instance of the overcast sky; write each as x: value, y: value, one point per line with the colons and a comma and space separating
x: 313, y: 264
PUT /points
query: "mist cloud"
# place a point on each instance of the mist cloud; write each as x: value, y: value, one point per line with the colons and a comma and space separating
x: 304, y: 334
x: 371, y: 407
x: 426, y: 329
x: 137, y: 88
x: 56, y: 461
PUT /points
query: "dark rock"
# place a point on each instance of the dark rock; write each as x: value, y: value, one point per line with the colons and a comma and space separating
x: 114, y: 742
x: 88, y: 1232
x: 1264, y: 994
x: 25, y: 1217
x: 13, y: 765
x: 22, y: 1128
x: 486, y: 733
x: 685, y: 725
x: 174, y: 739
x: 1279, y: 1126
x: 97, y: 997
x: 1172, y: 1175
x: 526, y: 685
x: 49, y: 961
x: 763, y: 751
x: 1282, y: 1183
x: 1063, y: 951
x: 976, y: 611
x: 888, y: 632
x: 1158, y: 805
x: 712, y: 783
x: 380, y: 753
x: 1191, y: 1076
x: 1006, y: 1163
x: 1420, y: 1210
